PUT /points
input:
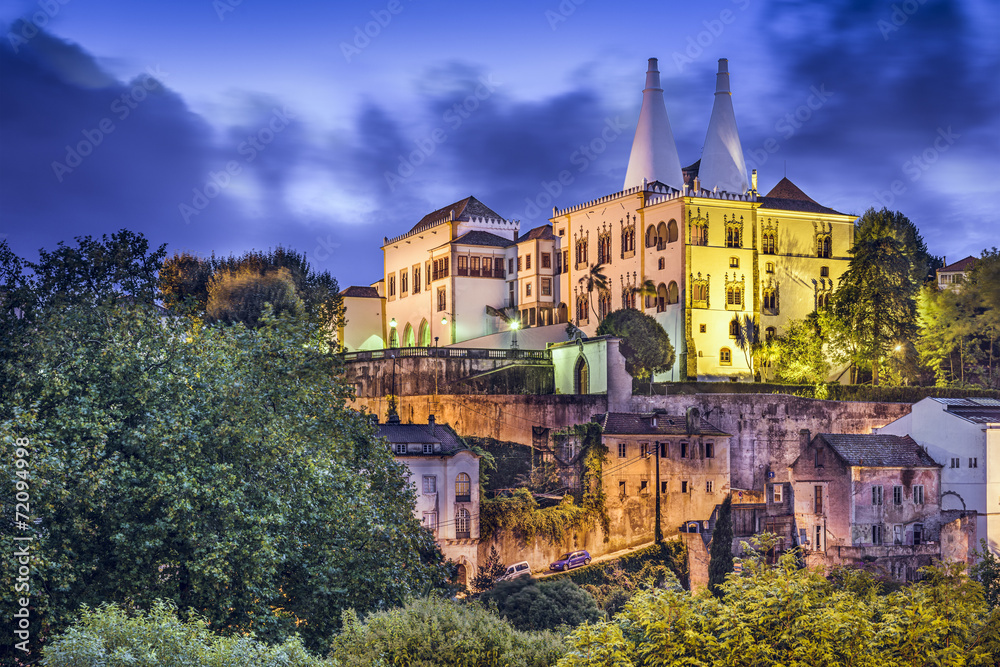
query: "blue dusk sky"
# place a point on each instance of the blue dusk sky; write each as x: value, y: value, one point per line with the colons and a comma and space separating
x: 324, y: 126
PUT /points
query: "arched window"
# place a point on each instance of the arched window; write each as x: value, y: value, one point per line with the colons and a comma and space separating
x: 463, y: 488
x: 462, y: 523
x: 726, y: 356
x: 734, y: 328
x: 733, y: 236
x: 770, y: 301
x: 409, y: 340
x: 767, y: 244
x: 734, y: 296
x: 651, y: 236
x: 769, y: 333
x: 823, y: 246
x: 673, y: 295
x: 604, y: 304
x: 425, y: 329
x: 661, y: 298
x: 582, y: 308
x: 581, y: 376
x: 393, y: 338
x: 671, y: 231
x: 661, y: 236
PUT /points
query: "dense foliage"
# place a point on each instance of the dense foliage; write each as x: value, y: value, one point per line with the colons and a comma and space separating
x: 645, y: 345
x: 786, y: 615
x: 109, y: 636
x: 433, y: 632
x: 490, y: 569
x: 215, y: 467
x: 530, y: 604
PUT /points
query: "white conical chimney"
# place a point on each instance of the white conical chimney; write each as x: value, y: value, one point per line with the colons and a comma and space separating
x: 722, y: 163
x: 654, y: 154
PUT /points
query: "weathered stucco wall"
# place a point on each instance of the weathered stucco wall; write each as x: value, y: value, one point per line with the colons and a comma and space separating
x: 765, y: 427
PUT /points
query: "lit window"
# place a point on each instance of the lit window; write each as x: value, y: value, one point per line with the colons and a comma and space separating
x: 702, y: 328
x: 430, y: 484
x: 725, y: 356
x: 769, y: 267
x: 463, y: 485
x: 546, y: 286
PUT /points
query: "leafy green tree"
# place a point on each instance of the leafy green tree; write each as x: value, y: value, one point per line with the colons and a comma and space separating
x: 592, y: 281
x: 530, y: 604
x: 111, y: 636
x: 433, y: 632
x: 987, y: 572
x: 216, y: 467
x: 798, y: 354
x: 184, y: 282
x: 243, y: 295
x: 646, y: 289
x: 645, y: 345
x: 876, y: 298
x: 721, y: 563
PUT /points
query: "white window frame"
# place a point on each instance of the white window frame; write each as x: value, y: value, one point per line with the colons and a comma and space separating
x: 430, y: 484
x: 777, y: 493
x: 918, y: 494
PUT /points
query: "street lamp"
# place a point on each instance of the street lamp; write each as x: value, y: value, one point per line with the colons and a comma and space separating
x: 514, y: 326
x: 392, y: 326
x: 392, y: 403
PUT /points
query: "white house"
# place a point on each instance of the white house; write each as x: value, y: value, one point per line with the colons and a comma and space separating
x: 963, y: 435
x: 445, y: 473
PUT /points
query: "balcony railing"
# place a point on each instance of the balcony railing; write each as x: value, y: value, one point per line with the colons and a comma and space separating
x: 448, y: 353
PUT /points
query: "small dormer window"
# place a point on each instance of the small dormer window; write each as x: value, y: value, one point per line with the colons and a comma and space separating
x: 652, y: 421
x: 428, y: 448
x: 400, y: 447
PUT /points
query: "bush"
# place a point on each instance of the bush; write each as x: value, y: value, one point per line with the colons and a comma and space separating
x: 433, y: 632
x: 529, y: 604
x: 672, y: 554
x: 109, y: 636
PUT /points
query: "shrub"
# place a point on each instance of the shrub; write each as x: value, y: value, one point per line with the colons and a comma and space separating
x: 110, y: 636
x: 530, y: 604
x: 433, y: 631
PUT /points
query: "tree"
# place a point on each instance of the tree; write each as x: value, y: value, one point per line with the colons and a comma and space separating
x: 645, y: 345
x: 594, y: 280
x: 721, y: 563
x: 489, y: 571
x: 433, y: 632
x: 530, y: 604
x: 216, y: 467
x: 647, y: 288
x: 876, y: 295
x: 184, y: 282
x: 748, y: 338
x: 241, y: 295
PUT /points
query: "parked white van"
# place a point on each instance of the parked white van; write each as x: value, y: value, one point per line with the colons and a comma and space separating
x: 516, y: 570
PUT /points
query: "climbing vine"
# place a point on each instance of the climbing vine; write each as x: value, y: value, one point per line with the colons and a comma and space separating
x: 521, y: 514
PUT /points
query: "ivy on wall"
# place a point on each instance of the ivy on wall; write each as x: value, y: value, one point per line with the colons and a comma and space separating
x: 521, y: 515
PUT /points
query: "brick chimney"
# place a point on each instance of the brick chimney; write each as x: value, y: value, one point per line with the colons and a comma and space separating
x: 430, y: 422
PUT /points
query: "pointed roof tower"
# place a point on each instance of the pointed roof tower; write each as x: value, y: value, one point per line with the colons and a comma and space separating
x: 654, y: 153
x: 722, y: 163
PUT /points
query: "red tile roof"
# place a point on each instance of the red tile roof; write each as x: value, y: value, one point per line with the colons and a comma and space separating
x: 961, y: 265
x: 789, y: 197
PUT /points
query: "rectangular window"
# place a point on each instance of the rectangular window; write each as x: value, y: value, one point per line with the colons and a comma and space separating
x: 684, y: 450
x: 416, y: 279
x: 643, y: 449
x: 427, y: 273
x: 520, y: 262
x: 474, y: 266
x: 430, y: 520
x: 955, y: 463
x: 527, y: 288
x: 463, y: 265
x: 819, y: 538
x: 487, y: 267
x: 400, y: 447
x: 876, y: 495
x: 776, y: 493
x: 621, y: 488
x: 709, y: 450
x: 392, y: 285
x: 684, y: 487
x: 664, y: 450
x: 818, y: 503
x: 769, y: 267
x: 876, y: 535
x: 546, y: 286
x: 565, y: 265
x: 918, y: 494
x: 709, y: 486
x: 897, y: 495
x: 897, y: 534
x: 663, y: 487
x: 430, y: 484
x: 527, y: 262
x: 918, y: 534
x: 824, y: 272
x: 428, y: 448
x: 404, y: 281
x: 734, y: 262
x: 643, y: 487
x: 442, y: 295
x: 973, y: 462
x: 621, y: 450
x: 546, y: 260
